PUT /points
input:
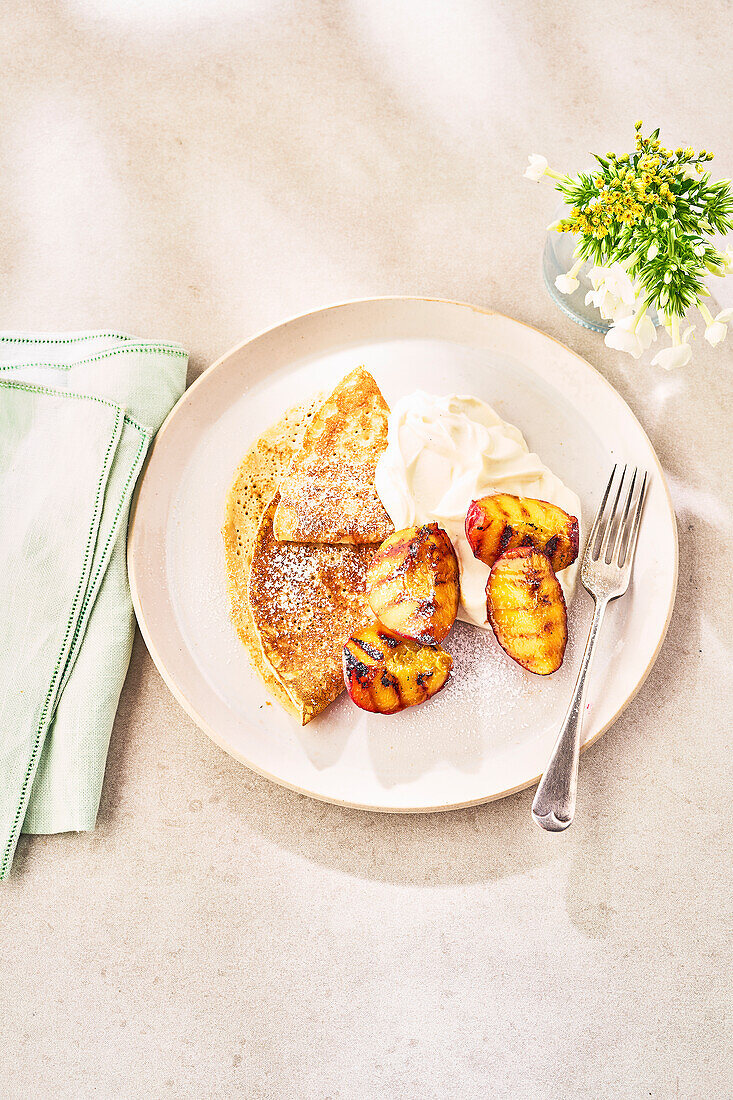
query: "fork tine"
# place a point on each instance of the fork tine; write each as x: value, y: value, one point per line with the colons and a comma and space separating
x: 623, y: 525
x: 609, y: 526
x: 599, y: 515
x: 631, y: 547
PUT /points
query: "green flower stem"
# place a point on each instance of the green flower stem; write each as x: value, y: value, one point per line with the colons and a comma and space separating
x: 557, y: 176
x: 637, y: 318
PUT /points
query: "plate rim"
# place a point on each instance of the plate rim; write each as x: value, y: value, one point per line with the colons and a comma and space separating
x: 209, y: 730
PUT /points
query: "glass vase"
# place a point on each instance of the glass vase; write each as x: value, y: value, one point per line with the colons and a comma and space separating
x: 557, y: 259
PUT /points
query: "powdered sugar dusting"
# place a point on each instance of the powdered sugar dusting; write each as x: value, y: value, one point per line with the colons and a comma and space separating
x: 328, y: 494
x: 305, y: 600
x: 490, y: 703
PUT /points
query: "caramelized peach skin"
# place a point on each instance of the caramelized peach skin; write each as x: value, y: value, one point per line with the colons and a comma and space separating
x: 504, y: 522
x: 412, y: 583
x: 526, y: 609
x: 385, y: 674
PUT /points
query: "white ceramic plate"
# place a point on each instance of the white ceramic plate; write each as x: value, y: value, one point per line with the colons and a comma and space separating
x: 490, y: 731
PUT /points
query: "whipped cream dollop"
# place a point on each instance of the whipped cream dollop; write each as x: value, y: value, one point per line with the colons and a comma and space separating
x: 444, y: 452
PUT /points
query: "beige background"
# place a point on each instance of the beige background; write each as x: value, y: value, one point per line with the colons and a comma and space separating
x: 197, y: 171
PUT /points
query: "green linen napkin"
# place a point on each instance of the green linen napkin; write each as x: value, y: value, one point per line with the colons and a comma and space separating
x: 77, y: 416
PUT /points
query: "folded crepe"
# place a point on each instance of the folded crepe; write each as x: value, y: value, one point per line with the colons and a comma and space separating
x: 299, y: 592
x: 328, y: 494
x: 306, y: 599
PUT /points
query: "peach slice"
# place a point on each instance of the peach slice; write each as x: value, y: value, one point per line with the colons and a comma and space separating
x: 412, y: 583
x: 503, y: 522
x: 526, y: 609
x: 385, y: 674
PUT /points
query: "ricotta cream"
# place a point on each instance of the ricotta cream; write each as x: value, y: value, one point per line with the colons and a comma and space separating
x: 444, y: 452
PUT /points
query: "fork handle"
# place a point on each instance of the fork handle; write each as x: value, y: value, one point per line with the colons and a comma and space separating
x: 554, y: 803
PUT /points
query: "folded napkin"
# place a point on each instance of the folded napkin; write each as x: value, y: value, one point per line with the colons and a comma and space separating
x: 77, y: 416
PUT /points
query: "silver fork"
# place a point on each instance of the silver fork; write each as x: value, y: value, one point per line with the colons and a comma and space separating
x: 605, y: 572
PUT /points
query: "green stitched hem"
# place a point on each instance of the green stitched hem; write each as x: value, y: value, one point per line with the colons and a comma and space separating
x: 157, y: 348
x: 8, y: 339
x: 30, y: 771
x: 92, y: 589
x: 149, y: 432
x: 33, y: 388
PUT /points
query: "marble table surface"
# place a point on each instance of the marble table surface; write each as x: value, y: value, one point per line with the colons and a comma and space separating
x: 197, y: 171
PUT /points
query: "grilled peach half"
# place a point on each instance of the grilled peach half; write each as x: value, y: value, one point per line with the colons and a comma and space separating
x: 385, y: 674
x: 502, y: 522
x: 412, y: 583
x: 526, y: 609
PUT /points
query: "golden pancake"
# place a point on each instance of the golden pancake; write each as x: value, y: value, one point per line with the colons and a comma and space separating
x: 328, y: 494
x: 254, y: 486
x: 305, y: 600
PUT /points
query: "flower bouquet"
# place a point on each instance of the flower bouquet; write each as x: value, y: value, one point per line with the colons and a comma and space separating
x: 646, y: 223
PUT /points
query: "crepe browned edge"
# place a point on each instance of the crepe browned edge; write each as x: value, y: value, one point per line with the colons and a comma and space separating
x: 255, y: 484
x: 328, y: 494
x: 306, y: 599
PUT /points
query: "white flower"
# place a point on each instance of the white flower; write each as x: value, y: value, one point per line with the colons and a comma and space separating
x: 680, y: 354
x: 597, y: 276
x: 717, y: 329
x: 622, y: 339
x: 566, y: 284
x: 716, y: 333
x: 617, y: 280
x: 673, y: 357
x: 653, y: 251
x: 537, y: 167
x: 619, y: 311
x: 632, y: 334
x: 611, y: 307
x: 613, y: 292
x: 646, y: 330
x: 727, y: 257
